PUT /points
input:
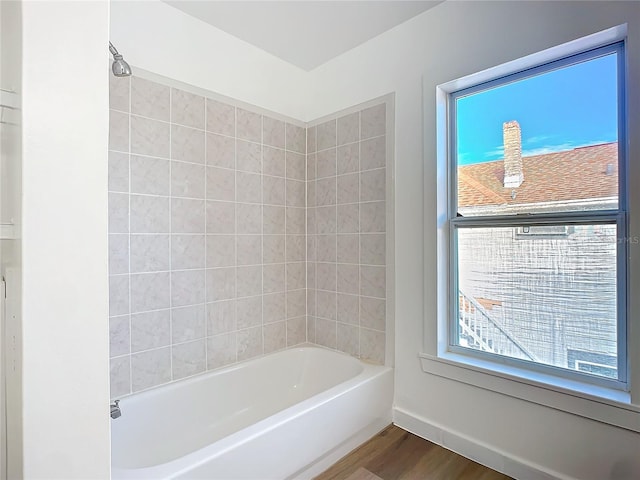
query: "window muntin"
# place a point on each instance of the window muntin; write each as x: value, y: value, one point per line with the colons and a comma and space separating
x: 578, y: 305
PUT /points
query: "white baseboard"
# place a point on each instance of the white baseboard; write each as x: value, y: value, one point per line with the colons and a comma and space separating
x: 473, y: 449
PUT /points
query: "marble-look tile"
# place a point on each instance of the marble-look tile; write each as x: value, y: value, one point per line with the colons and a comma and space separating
x: 221, y: 184
x: 149, y: 253
x: 311, y: 280
x: 118, y: 253
x: 187, y: 144
x: 373, y: 121
x: 326, y: 276
x: 326, y: 135
x: 221, y: 350
x: 326, y: 220
x: 326, y: 304
x: 349, y: 128
x: 273, y: 161
x: 326, y: 248
x: 273, y: 190
x: 150, y: 368
x: 273, y: 248
x: 372, y: 249
x: 296, y: 275
x: 326, y: 191
x: 149, y: 99
x: 348, y: 339
x: 274, y: 307
x: 348, y: 188
x: 372, y: 185
x: 372, y: 217
x: 248, y: 125
x: 248, y: 187
x: 348, y: 250
x: 312, y: 224
x: 118, y: 213
x: 150, y: 175
x: 221, y: 284
x: 187, y: 251
x: 119, y: 336
x: 348, y: 278
x: 249, y: 312
x: 187, y: 109
x: 189, y: 359
x: 149, y: 137
x: 273, y: 220
x: 273, y: 278
x: 221, y: 118
x: 118, y: 172
x: 275, y: 336
x: 326, y: 332
x: 248, y: 156
x: 248, y: 249
x: 372, y: 345
x: 295, y: 166
x: 273, y: 132
x: 373, y: 153
x: 311, y: 139
x: 120, y: 376
x: 118, y: 131
x: 249, y: 281
x: 347, y: 309
x: 372, y: 281
x: 312, y: 163
x: 295, y: 223
x: 296, y: 303
x: 348, y: 159
x: 118, y: 295
x: 296, y: 138
x: 295, y: 193
x: 326, y: 163
x: 188, y: 323
x: 373, y: 313
x: 150, y: 330
x: 187, y: 216
x: 248, y: 218
x: 119, y: 93
x: 221, y: 250
x: 311, y: 329
x: 348, y: 218
x: 295, y: 248
x: 221, y: 317
x: 221, y: 151
x: 187, y: 287
x: 296, y: 331
x: 187, y: 180
x: 221, y: 217
x: 249, y: 343
x: 149, y: 291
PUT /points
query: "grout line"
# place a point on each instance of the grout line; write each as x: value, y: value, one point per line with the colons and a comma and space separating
x: 170, y: 239
x: 129, y: 236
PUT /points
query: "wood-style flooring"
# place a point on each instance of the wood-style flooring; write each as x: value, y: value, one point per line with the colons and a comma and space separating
x: 395, y: 454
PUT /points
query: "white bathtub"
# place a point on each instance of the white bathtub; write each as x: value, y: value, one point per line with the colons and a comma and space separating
x: 289, y: 414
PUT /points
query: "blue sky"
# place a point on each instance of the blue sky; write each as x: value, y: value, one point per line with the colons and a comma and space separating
x: 559, y: 110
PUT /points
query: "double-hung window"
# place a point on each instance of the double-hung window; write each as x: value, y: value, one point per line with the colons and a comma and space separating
x: 537, y: 219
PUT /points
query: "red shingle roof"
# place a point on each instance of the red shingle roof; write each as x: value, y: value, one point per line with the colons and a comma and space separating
x: 578, y: 174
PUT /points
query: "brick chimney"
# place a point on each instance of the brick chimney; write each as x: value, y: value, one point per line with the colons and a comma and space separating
x: 513, y: 175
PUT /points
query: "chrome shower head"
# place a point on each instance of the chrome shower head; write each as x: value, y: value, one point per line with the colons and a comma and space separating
x: 120, y: 68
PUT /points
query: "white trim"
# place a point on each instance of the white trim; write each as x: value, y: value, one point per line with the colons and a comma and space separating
x: 473, y: 449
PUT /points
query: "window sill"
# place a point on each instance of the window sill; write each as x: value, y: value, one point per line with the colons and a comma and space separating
x: 597, y: 403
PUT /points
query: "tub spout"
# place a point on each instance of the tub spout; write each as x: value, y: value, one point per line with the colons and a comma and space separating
x: 115, y: 409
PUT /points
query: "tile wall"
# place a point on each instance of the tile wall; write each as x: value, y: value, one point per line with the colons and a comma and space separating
x: 206, y: 234
x: 346, y: 241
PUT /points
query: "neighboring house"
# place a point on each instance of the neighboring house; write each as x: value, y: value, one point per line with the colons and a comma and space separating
x: 547, y: 291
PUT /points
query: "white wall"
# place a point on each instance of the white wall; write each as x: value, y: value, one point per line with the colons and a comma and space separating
x: 65, y: 291
x: 452, y: 40
x: 164, y: 40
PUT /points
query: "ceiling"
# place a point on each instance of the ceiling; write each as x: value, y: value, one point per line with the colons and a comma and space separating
x: 304, y: 33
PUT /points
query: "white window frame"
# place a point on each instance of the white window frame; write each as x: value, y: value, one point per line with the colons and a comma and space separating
x: 614, y: 406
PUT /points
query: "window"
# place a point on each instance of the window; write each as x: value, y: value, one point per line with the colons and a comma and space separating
x: 537, y: 215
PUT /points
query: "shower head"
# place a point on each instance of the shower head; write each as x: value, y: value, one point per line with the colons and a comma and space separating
x: 120, y: 68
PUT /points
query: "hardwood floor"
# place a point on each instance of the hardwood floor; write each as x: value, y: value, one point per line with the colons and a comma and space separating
x: 395, y: 454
